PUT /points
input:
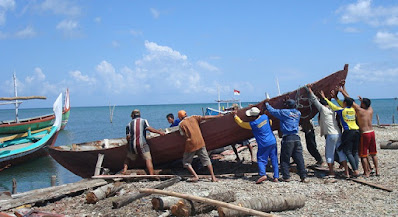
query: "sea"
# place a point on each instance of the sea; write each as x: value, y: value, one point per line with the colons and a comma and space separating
x: 94, y: 123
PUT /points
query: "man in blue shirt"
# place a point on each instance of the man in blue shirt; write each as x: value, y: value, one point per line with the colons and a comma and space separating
x: 261, y: 128
x: 172, y: 121
x: 291, y: 144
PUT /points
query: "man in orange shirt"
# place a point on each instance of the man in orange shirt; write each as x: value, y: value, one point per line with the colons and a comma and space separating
x: 194, y: 144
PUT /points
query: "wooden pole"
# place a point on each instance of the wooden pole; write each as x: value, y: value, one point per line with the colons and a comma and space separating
x: 53, y: 180
x: 378, y: 120
x: 371, y: 184
x: 14, y: 186
x: 99, y: 164
x: 133, y: 176
x: 393, y: 119
x: 208, y: 201
x: 21, y: 98
x: 130, y: 198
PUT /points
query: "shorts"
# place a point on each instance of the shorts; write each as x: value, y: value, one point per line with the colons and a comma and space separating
x: 368, y: 142
x: 202, y: 154
x: 142, y: 150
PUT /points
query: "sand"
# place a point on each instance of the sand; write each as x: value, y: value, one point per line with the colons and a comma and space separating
x: 342, y: 198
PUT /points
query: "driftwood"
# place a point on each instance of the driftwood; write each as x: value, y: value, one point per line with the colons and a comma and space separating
x: 247, y: 211
x: 371, y: 184
x: 266, y: 204
x: 103, y: 192
x: 51, y: 193
x: 190, y: 208
x: 130, y: 198
x: 21, y: 98
x: 390, y: 144
x: 164, y: 203
x: 134, y: 176
x: 98, y: 166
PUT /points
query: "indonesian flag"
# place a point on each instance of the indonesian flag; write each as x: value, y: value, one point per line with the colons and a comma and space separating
x: 236, y: 92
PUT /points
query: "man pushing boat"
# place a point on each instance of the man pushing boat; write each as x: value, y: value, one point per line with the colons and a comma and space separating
x: 136, y: 138
x: 194, y: 143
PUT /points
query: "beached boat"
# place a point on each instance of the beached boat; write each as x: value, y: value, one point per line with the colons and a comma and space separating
x: 35, y: 123
x: 17, y: 149
x: 81, y: 158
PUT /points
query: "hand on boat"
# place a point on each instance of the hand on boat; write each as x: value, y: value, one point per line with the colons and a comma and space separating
x: 322, y: 94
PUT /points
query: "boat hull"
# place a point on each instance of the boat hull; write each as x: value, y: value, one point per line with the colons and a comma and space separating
x: 217, y: 133
x: 29, y: 154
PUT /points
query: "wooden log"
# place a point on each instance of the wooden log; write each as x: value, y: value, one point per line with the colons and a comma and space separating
x: 99, y: 164
x: 21, y: 98
x: 266, y: 204
x: 133, y: 176
x: 206, y: 200
x: 371, y: 184
x: 164, y: 203
x: 102, y: 192
x: 391, y: 144
x: 191, y: 208
x: 53, y: 180
x: 165, y: 214
x: 51, y: 193
x: 130, y: 198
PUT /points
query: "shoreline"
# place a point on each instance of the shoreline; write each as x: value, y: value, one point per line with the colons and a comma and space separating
x: 342, y: 198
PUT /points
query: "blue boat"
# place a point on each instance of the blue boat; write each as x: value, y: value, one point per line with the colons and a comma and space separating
x: 20, y: 148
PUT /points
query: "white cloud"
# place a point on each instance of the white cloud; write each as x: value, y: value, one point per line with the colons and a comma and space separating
x: 207, y: 66
x: 114, y: 81
x: 386, y: 40
x: 364, y: 11
x: 366, y: 73
x: 37, y: 76
x: 67, y: 25
x: 78, y: 76
x: 115, y: 44
x: 3, y: 35
x: 97, y: 19
x: 135, y: 32
x: 5, y: 5
x: 351, y: 30
x: 28, y: 32
x: 157, y: 52
x: 61, y: 7
x: 155, y: 13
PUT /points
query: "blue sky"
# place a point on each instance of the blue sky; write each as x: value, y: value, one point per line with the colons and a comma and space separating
x: 161, y: 52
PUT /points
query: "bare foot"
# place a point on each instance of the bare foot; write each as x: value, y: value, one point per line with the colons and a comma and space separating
x: 193, y: 180
x: 275, y: 180
x: 261, y: 179
x: 214, y: 179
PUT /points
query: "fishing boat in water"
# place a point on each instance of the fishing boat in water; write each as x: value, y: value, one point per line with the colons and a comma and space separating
x: 20, y: 148
x: 34, y: 123
x: 81, y: 158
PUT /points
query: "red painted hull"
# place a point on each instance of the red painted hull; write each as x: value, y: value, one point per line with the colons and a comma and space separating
x: 217, y: 133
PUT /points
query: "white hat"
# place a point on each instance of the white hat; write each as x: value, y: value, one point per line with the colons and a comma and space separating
x: 253, y: 112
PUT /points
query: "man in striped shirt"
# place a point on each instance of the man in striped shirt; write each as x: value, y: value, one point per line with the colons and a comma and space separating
x: 136, y: 138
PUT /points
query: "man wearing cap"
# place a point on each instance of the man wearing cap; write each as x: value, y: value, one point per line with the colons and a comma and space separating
x: 291, y: 144
x: 136, y: 138
x: 364, y: 115
x: 194, y: 143
x: 261, y: 128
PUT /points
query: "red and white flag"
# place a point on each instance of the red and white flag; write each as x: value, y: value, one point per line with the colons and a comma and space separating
x: 236, y: 92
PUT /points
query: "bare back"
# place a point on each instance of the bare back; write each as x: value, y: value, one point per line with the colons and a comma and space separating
x: 364, y: 118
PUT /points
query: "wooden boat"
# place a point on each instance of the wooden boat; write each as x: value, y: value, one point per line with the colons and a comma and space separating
x: 35, y: 123
x: 20, y: 148
x: 81, y: 158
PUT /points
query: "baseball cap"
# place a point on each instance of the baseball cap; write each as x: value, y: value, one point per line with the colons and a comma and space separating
x: 254, y: 111
x: 290, y: 103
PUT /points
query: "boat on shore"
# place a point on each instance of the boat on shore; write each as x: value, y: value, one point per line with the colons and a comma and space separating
x: 35, y: 123
x: 20, y: 148
x: 217, y: 133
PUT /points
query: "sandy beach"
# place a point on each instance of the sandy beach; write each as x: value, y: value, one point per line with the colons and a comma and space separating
x: 342, y: 198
